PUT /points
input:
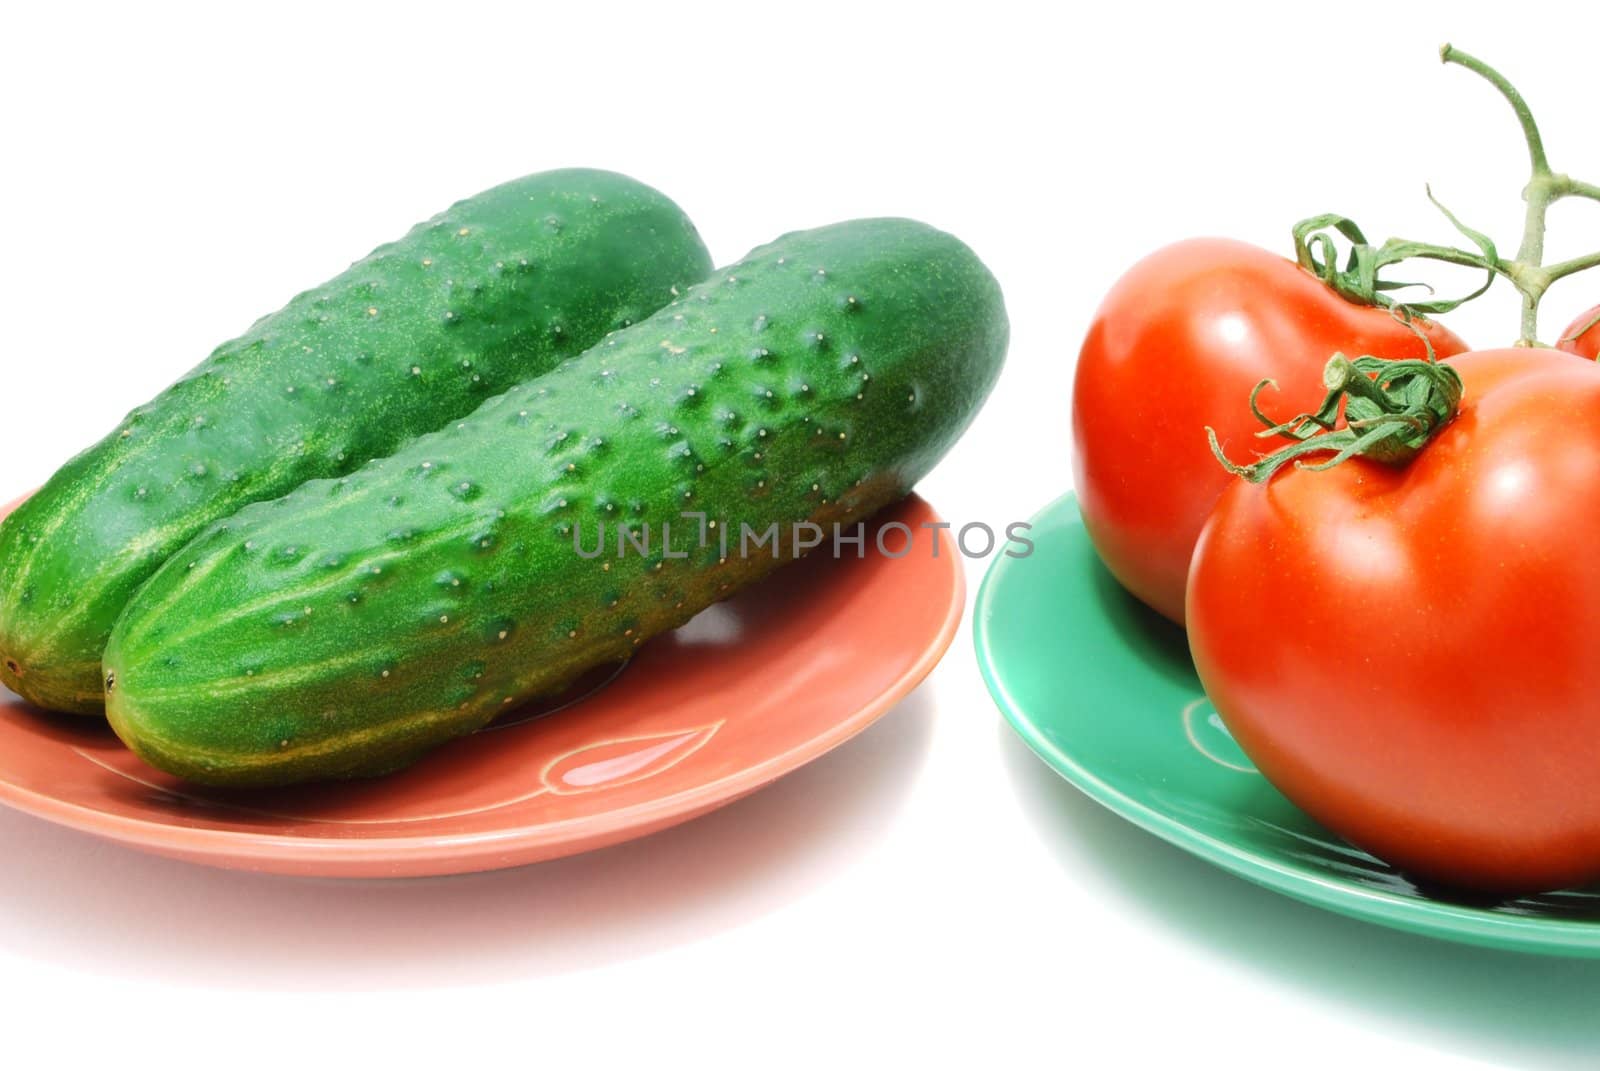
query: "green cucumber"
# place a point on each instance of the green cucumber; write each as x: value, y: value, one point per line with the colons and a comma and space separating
x: 346, y: 629
x: 498, y: 288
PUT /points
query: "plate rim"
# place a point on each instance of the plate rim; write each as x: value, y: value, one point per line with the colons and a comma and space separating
x: 1433, y: 918
x: 229, y: 848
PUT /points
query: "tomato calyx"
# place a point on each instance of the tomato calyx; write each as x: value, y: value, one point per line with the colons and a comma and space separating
x: 1360, y: 279
x: 1391, y: 410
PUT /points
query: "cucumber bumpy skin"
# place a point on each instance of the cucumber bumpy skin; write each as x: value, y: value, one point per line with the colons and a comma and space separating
x: 498, y: 288
x: 346, y: 629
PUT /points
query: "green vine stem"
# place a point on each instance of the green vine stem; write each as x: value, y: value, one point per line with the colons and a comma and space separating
x: 1391, y: 410
x: 1360, y: 277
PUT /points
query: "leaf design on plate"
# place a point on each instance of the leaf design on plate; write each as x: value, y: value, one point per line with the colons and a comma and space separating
x: 1208, y: 735
x: 610, y: 763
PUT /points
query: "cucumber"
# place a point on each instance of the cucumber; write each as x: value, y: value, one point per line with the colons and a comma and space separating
x: 496, y: 289
x: 351, y: 626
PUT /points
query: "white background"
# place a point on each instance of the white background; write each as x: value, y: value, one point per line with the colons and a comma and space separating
x: 929, y: 892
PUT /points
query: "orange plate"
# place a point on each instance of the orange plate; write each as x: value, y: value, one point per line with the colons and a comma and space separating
x: 748, y: 691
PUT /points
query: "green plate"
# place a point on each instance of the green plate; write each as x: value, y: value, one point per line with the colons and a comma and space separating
x: 1104, y: 691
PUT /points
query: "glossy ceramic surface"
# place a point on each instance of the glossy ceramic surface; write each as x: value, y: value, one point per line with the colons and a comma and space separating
x: 1104, y: 691
x: 743, y: 694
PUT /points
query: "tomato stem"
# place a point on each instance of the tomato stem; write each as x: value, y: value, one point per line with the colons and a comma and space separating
x: 1530, y: 129
x: 1391, y: 410
x: 1543, y: 189
x: 1360, y: 278
x: 1573, y: 266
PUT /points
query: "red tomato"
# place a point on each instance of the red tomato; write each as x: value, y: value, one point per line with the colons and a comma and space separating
x: 1409, y: 654
x: 1176, y: 347
x: 1583, y: 336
